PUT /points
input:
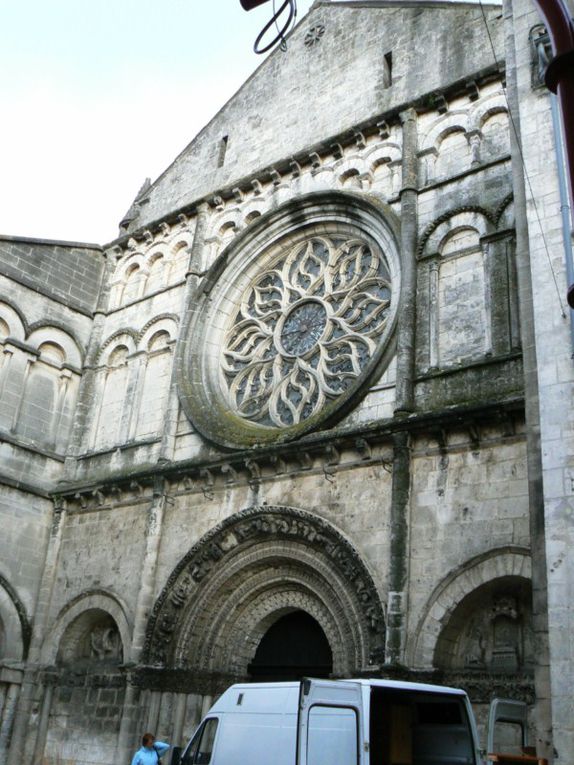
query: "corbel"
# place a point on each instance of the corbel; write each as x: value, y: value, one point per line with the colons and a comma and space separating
x: 183, y: 220
x: 255, y: 473
x: 237, y: 195
x: 275, y: 176
x: 360, y: 139
x: 472, y: 90
x: 137, y: 487
x: 209, y: 484
x: 333, y: 455
x: 147, y: 236
x: 315, y: 160
x: 230, y: 473
x: 474, y: 435
x: 295, y: 168
x: 165, y: 229
x: 256, y: 186
x: 363, y: 448
x: 99, y: 495
x: 305, y: 460
x: 337, y: 150
x: 384, y: 129
x: 279, y: 464
x: 217, y: 203
x: 440, y: 103
x: 132, y: 244
x: 82, y: 499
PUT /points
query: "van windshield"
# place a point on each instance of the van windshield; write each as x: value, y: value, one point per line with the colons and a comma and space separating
x: 409, y: 727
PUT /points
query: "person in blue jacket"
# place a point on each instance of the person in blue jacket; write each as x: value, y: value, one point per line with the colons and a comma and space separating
x: 150, y: 752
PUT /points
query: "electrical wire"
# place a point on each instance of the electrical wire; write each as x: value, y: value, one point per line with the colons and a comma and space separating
x: 281, y: 32
x: 523, y: 163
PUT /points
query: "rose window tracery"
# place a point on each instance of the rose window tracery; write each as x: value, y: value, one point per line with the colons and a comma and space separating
x: 293, y: 322
x: 306, y: 328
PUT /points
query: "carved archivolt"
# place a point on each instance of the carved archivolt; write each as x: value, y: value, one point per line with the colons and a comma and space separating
x: 294, y: 319
x: 249, y: 571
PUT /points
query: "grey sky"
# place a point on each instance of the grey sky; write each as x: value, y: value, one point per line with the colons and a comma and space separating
x: 98, y: 95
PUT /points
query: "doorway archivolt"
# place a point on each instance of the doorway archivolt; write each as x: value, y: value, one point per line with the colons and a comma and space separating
x: 251, y: 571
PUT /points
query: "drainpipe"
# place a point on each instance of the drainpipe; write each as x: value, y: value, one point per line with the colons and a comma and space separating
x: 565, y: 209
x: 560, y: 80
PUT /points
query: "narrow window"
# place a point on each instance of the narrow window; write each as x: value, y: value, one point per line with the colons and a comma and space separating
x: 222, y: 150
x: 388, y: 69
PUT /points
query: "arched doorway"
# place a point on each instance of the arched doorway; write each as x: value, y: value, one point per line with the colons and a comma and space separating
x: 293, y: 647
x: 246, y: 575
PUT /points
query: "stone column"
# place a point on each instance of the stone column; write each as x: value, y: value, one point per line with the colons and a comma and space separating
x: 41, y: 616
x: 43, y: 724
x: 144, y: 604
x: 178, y: 719
x: 194, y: 271
x: 433, y: 314
x: 398, y: 574
x: 7, y: 719
x: 407, y: 315
x: 31, y: 359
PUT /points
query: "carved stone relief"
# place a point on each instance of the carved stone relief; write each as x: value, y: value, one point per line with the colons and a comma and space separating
x: 492, y: 634
x: 224, y: 544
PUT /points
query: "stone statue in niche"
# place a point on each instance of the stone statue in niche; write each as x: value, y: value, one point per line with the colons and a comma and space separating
x: 495, y: 638
x: 476, y: 656
x: 105, y: 644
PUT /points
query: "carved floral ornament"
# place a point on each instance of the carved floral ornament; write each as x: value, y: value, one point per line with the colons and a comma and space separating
x: 292, y: 328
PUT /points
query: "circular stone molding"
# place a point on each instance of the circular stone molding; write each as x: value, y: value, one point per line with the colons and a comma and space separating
x: 295, y: 318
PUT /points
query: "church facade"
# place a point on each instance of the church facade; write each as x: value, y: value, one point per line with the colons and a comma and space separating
x: 308, y: 414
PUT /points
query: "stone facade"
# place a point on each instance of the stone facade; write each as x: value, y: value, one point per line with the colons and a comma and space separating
x: 300, y: 380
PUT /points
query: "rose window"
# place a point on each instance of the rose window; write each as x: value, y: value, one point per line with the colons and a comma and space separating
x: 306, y: 328
x: 289, y: 327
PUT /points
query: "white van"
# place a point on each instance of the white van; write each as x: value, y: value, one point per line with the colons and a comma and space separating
x: 337, y: 722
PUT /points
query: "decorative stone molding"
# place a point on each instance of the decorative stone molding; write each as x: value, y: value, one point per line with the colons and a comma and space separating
x: 278, y: 559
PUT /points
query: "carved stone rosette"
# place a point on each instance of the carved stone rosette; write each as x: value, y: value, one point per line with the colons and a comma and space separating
x: 251, y: 567
x: 295, y: 319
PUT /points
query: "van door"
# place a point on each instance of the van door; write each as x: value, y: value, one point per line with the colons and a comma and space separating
x: 332, y: 723
x: 507, y: 733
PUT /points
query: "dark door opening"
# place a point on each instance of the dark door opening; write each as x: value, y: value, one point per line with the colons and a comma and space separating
x: 292, y: 648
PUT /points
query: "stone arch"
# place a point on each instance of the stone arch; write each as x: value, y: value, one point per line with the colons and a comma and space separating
x: 451, y: 122
x: 50, y: 334
x: 490, y: 629
x: 14, y: 624
x: 438, y: 231
x: 125, y: 337
x: 485, y: 108
x: 166, y: 322
x: 80, y: 614
x: 247, y: 572
x: 510, y: 561
x: 14, y: 319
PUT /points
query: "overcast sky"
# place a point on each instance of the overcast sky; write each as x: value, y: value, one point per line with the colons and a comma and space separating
x: 97, y: 95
